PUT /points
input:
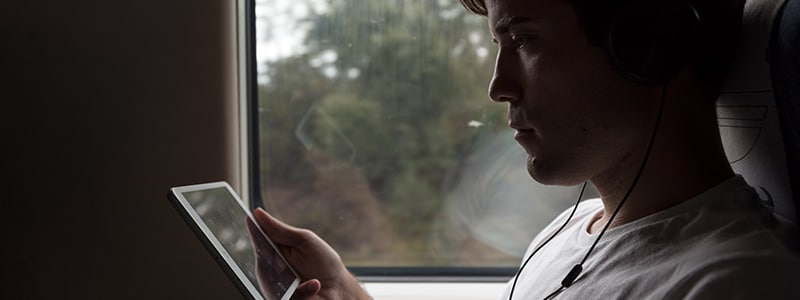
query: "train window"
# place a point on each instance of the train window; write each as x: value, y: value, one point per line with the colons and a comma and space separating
x: 374, y: 130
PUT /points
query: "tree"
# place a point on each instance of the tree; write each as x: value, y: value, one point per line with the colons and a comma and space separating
x: 384, y: 95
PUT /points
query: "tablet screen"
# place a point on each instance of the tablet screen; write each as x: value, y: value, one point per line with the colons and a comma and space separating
x: 224, y: 221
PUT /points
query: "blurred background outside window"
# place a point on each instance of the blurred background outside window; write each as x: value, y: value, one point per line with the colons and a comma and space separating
x: 375, y: 130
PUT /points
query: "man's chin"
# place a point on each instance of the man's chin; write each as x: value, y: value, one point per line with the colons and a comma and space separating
x: 546, y: 174
x: 535, y: 171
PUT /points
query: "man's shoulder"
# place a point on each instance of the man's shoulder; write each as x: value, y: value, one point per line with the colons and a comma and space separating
x: 741, y: 275
x: 729, y: 218
x: 722, y: 235
x: 730, y: 248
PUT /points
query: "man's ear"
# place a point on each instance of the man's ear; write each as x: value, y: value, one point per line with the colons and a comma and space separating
x: 649, y: 42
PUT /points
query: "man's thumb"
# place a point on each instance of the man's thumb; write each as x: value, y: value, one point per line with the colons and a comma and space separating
x: 307, y: 289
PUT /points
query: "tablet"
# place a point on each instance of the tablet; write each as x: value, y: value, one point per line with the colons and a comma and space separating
x: 219, y: 218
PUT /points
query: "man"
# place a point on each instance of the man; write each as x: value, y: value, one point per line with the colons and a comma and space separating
x: 673, y: 220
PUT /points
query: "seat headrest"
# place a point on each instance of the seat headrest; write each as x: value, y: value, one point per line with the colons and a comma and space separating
x: 785, y: 72
x: 748, y: 116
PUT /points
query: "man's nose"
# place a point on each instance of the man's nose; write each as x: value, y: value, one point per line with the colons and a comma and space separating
x: 505, y: 82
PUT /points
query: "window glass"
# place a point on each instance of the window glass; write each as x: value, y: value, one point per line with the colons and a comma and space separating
x: 375, y: 131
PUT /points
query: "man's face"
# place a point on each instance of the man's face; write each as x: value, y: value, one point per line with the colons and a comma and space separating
x: 576, y: 116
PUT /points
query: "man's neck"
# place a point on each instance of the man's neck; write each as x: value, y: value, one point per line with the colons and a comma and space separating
x: 687, y: 159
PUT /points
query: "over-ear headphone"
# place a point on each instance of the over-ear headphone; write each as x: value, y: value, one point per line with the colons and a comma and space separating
x: 650, y: 41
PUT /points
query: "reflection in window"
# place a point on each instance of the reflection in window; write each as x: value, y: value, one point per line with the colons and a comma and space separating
x: 375, y: 131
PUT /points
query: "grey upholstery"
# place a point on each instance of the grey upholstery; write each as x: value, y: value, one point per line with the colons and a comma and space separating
x: 784, y: 62
x: 749, y: 118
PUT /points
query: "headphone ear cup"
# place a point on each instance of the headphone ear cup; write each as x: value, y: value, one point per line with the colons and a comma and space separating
x: 651, y: 41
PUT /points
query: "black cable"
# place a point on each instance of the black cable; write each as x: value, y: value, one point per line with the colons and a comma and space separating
x: 577, y: 269
x: 574, y: 208
x: 555, y: 293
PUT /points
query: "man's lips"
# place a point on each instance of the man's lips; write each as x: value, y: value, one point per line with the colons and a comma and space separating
x: 523, y: 133
x: 519, y: 126
x: 522, y: 130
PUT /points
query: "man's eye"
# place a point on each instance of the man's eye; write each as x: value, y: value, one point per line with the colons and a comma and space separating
x: 521, y: 40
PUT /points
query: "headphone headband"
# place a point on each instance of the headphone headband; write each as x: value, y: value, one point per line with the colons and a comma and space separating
x: 651, y: 41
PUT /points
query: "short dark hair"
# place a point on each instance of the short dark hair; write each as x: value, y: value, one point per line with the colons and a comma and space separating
x: 720, y: 20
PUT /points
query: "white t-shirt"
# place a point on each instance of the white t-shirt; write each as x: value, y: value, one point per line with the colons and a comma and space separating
x: 714, y: 246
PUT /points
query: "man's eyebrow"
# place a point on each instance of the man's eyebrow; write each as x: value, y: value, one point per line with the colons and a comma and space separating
x: 504, y: 24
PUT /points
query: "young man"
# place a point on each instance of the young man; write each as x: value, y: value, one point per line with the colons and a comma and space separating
x: 685, y: 226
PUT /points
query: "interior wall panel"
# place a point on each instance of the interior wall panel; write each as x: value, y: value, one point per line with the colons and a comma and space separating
x: 106, y: 105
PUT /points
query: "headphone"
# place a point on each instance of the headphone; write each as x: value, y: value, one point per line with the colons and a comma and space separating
x: 648, y: 42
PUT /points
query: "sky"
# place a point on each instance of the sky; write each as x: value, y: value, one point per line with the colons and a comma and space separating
x: 279, y: 31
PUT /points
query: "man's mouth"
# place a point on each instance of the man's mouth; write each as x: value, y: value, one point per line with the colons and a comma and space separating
x: 521, y: 132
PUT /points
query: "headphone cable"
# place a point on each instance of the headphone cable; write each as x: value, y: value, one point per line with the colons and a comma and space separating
x: 578, y: 268
x: 574, y: 208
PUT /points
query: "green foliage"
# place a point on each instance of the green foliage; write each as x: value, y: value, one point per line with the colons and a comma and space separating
x: 387, y: 87
x: 294, y: 86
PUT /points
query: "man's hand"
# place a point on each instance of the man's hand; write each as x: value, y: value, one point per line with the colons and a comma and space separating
x: 319, y: 266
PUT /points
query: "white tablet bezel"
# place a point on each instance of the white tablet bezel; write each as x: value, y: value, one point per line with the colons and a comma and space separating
x: 213, y: 244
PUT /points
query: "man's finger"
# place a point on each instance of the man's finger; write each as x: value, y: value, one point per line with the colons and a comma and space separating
x: 278, y: 231
x: 307, y: 289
